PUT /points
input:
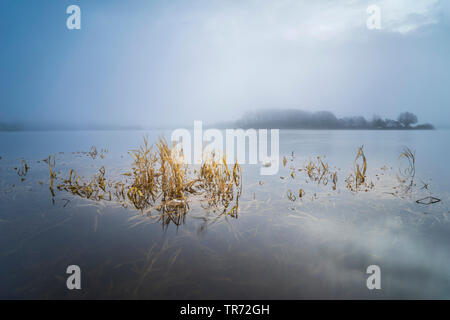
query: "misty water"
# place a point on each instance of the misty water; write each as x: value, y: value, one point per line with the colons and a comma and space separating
x: 316, y: 246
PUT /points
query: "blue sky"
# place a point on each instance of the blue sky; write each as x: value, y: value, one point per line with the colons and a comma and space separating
x: 156, y: 63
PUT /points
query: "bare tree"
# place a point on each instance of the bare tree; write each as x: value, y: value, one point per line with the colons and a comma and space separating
x: 407, y: 119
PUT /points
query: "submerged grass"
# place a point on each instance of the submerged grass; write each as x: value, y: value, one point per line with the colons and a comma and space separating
x: 159, y: 180
x: 320, y: 172
x: 407, y: 179
x: 23, y: 170
x: 407, y: 173
x: 357, y: 180
x: 410, y: 155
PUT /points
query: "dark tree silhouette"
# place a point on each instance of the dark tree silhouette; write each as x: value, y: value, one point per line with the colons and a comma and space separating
x: 407, y: 119
x: 378, y: 123
x: 300, y: 119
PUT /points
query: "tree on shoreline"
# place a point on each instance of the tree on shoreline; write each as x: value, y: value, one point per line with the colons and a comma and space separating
x: 407, y: 119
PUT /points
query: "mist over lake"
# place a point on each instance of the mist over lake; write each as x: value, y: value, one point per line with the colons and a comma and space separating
x: 224, y: 150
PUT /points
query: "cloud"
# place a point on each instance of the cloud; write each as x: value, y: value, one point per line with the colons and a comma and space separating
x: 404, y: 16
x: 315, y: 21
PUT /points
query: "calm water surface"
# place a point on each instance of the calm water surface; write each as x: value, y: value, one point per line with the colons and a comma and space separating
x: 318, y: 246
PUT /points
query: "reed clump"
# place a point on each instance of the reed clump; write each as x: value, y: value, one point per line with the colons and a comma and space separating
x: 407, y: 173
x: 320, y: 172
x: 94, y: 189
x: 160, y: 180
x: 357, y: 180
x: 410, y: 156
x: 222, y: 185
x: 23, y: 170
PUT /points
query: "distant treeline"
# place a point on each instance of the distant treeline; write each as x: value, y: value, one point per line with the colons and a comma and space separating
x: 10, y: 127
x: 298, y: 119
x: 63, y: 127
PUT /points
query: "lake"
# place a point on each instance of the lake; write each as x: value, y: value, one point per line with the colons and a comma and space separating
x: 279, y: 246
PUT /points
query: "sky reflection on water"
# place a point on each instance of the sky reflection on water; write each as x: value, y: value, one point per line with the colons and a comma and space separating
x: 315, y: 247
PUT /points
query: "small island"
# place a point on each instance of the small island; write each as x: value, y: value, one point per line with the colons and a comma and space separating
x: 299, y: 119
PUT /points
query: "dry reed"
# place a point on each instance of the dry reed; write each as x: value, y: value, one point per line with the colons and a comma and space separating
x: 160, y: 180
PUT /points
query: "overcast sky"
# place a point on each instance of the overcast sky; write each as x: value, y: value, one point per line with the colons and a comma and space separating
x: 156, y: 63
